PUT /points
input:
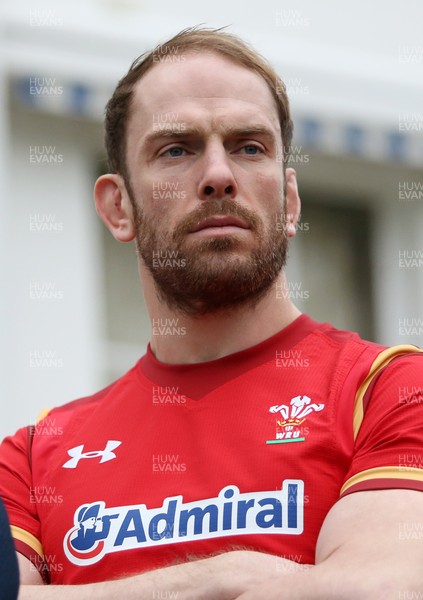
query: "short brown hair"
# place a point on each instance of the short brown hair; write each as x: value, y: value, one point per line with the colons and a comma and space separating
x: 193, y: 40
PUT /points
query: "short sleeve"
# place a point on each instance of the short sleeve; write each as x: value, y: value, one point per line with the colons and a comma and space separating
x: 16, y: 490
x: 388, y: 449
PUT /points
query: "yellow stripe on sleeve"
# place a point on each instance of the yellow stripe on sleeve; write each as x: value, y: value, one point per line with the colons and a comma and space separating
x: 42, y: 415
x: 383, y: 359
x: 27, y: 538
x: 405, y: 473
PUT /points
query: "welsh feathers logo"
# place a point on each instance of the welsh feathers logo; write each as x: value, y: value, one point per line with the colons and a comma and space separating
x: 289, y: 423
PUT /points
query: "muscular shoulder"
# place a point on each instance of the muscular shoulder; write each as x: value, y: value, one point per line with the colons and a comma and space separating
x: 81, y: 408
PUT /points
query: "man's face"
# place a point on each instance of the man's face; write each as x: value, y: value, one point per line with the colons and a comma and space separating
x: 203, y: 156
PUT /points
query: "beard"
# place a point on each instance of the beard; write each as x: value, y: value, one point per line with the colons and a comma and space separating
x: 213, y: 275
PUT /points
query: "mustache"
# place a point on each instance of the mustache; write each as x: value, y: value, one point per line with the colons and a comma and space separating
x: 211, y: 208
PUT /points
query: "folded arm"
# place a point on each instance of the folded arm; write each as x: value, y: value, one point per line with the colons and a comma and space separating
x: 370, y: 546
x: 221, y: 577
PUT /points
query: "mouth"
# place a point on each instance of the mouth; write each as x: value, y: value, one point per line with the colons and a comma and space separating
x: 220, y: 224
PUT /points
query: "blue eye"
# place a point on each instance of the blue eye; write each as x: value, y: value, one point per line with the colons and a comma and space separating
x: 176, y: 151
x: 251, y: 149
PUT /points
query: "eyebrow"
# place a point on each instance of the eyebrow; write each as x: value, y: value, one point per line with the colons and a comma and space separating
x: 250, y: 130
x: 171, y: 134
x: 190, y: 132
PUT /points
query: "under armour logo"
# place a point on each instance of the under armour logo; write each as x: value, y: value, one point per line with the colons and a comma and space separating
x: 77, y: 453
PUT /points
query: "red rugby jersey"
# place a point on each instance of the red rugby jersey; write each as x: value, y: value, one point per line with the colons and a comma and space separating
x: 250, y: 450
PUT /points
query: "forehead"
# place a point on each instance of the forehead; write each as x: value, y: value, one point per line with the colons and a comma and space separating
x: 202, y: 81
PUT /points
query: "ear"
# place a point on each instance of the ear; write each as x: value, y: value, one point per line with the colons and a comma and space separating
x: 293, y: 202
x: 114, y: 206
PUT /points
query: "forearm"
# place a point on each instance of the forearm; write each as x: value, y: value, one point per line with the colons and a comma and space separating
x: 348, y: 574
x: 184, y: 582
x: 221, y: 577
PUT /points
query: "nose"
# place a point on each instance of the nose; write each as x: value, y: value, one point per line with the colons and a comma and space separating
x: 217, y: 179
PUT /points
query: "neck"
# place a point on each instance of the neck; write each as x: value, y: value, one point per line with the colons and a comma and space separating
x: 183, y: 339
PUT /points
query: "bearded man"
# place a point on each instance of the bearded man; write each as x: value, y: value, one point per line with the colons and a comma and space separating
x: 214, y: 468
